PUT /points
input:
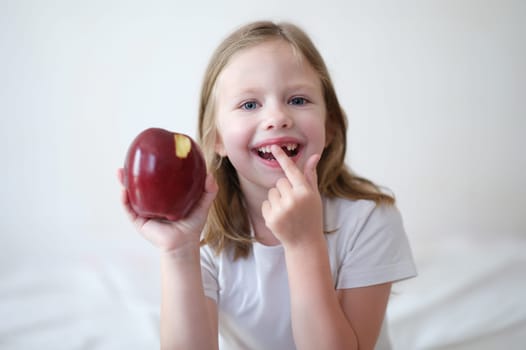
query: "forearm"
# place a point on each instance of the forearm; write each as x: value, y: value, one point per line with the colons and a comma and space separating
x: 318, y: 322
x: 185, y: 323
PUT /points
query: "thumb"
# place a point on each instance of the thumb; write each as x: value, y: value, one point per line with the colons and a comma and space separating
x: 209, y: 193
x: 310, y: 170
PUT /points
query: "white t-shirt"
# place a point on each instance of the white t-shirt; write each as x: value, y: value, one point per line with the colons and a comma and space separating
x: 368, y: 246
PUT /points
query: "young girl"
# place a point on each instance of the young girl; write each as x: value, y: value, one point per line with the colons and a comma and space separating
x: 287, y: 248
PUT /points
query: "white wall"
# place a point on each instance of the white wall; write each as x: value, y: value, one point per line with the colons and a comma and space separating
x: 434, y: 91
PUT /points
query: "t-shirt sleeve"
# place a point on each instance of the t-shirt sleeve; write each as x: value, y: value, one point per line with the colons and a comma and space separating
x: 379, y: 251
x: 209, y: 273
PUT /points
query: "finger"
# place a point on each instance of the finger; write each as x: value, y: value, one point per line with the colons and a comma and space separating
x: 211, y: 189
x: 125, y: 200
x: 120, y: 176
x: 126, y: 204
x: 124, y: 194
x: 209, y: 193
x: 290, y: 169
x: 265, y: 209
x: 310, y: 170
x: 137, y: 220
x: 284, y: 187
x: 273, y: 197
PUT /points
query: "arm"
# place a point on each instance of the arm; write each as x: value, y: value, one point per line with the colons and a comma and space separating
x: 188, y: 318
x: 318, y: 320
x: 365, y: 310
x: 321, y: 316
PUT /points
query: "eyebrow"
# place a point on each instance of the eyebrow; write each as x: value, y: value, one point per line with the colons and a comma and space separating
x: 300, y: 86
x: 246, y: 91
x: 309, y: 87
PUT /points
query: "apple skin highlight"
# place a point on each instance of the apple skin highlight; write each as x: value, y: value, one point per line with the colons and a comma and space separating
x: 163, y: 180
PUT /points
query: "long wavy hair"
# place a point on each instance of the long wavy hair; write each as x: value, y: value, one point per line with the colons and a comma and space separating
x: 228, y: 225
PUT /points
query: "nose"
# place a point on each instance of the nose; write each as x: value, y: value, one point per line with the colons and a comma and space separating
x: 277, y: 118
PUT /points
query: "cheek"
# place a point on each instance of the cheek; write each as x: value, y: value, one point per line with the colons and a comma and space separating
x: 232, y: 138
x: 318, y: 134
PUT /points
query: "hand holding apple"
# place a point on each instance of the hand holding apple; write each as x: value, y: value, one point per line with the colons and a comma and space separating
x: 164, y: 174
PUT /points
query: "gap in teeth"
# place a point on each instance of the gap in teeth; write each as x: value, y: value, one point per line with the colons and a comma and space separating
x: 288, y: 146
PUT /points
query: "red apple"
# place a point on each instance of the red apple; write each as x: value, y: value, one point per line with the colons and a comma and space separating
x: 164, y: 174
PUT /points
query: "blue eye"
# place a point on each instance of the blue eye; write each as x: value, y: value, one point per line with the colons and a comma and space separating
x: 298, y: 101
x: 249, y: 105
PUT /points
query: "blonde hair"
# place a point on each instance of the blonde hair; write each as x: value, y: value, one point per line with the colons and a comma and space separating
x: 228, y: 225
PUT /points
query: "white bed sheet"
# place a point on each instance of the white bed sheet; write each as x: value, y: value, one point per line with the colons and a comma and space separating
x: 469, y: 295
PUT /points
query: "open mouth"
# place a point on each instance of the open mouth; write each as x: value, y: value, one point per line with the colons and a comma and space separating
x: 290, y: 149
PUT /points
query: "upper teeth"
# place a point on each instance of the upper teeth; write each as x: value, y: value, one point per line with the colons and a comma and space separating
x: 288, y: 146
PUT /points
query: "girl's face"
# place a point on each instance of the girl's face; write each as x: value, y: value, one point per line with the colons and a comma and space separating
x: 267, y: 95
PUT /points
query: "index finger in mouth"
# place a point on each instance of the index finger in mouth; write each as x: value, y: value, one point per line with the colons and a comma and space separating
x: 290, y: 169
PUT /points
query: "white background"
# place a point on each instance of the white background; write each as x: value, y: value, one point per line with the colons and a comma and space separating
x: 435, y: 93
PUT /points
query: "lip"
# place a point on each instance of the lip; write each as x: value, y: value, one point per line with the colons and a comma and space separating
x: 280, y: 141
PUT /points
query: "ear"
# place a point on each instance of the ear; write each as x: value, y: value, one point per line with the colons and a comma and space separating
x: 219, y: 146
x: 329, y: 133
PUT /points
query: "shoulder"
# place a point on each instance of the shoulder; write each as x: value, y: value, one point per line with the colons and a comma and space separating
x: 356, y: 214
x: 367, y: 242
